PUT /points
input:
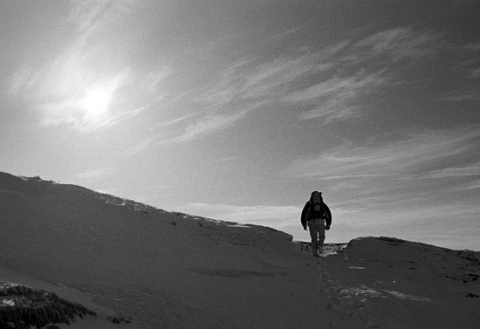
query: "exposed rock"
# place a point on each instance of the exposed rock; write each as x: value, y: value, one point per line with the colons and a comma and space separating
x: 24, y: 307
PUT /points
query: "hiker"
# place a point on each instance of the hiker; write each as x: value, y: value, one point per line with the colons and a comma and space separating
x: 317, y: 215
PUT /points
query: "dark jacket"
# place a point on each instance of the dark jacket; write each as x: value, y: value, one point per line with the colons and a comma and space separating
x: 307, y: 213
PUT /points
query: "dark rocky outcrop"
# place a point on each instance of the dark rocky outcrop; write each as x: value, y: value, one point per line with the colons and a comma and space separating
x: 24, y: 307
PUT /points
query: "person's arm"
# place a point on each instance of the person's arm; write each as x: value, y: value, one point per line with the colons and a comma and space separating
x: 303, y: 218
x: 329, y: 217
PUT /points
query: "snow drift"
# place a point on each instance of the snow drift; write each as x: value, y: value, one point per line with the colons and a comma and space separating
x: 137, y: 266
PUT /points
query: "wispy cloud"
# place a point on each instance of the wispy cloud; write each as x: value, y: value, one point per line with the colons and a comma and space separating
x: 202, y: 127
x: 94, y: 174
x: 398, y: 44
x: 246, y: 86
x: 173, y: 122
x: 470, y: 63
x: 229, y: 159
x: 246, y: 81
x: 290, y: 32
x: 157, y: 138
x: 213, y: 123
x: 208, y: 125
x: 362, y: 68
x: 474, y: 46
x: 413, y: 154
x: 239, y: 89
x: 22, y: 79
x: 467, y: 94
x: 333, y: 98
x: 79, y: 88
x: 328, y: 84
x: 468, y: 171
x: 409, y: 220
x: 475, y: 73
x: 471, y: 185
x: 142, y: 146
x: 276, y: 216
x: 91, y: 15
x: 152, y: 81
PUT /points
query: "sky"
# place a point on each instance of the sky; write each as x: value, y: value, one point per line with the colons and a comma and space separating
x: 238, y: 110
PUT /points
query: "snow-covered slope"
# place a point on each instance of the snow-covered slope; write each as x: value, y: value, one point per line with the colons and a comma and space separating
x: 159, y: 269
x: 400, y: 284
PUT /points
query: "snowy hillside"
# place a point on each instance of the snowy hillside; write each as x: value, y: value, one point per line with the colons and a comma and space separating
x: 136, y: 266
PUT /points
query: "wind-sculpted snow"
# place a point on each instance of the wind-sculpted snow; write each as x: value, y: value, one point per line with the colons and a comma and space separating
x: 129, y: 204
x: 144, y: 267
x: 385, y: 274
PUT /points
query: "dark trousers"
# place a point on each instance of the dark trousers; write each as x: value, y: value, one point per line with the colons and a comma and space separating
x: 317, y: 232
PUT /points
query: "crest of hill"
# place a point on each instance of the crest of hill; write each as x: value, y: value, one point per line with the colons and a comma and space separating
x: 66, y: 222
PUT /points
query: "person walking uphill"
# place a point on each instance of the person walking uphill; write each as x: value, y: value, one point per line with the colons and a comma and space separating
x: 317, y: 215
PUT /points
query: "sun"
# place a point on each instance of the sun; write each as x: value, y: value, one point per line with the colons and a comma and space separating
x: 96, y: 103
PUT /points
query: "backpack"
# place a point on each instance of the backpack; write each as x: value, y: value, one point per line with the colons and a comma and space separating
x: 316, y: 211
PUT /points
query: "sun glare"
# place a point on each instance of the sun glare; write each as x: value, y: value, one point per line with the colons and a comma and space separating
x: 96, y: 103
x: 85, y: 99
